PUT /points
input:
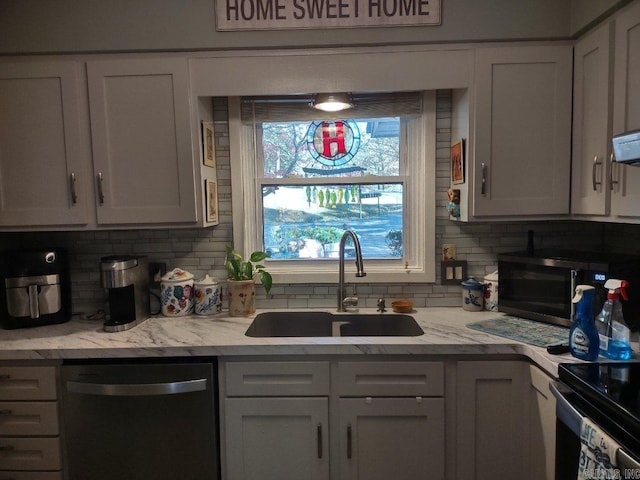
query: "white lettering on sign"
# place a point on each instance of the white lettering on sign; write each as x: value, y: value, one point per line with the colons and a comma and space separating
x: 292, y: 14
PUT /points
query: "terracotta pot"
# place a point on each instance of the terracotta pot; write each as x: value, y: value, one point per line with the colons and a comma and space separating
x: 242, y: 297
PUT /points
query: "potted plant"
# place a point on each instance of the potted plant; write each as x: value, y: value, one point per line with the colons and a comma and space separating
x: 241, y: 275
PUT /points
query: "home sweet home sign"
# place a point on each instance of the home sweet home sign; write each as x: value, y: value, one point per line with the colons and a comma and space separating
x: 296, y: 14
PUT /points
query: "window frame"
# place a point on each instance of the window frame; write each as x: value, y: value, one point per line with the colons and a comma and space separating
x: 418, y: 262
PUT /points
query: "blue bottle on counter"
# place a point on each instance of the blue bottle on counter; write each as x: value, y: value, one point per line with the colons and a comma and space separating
x: 583, y: 336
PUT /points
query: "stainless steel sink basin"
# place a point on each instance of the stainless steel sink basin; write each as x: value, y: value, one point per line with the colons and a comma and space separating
x: 325, y: 324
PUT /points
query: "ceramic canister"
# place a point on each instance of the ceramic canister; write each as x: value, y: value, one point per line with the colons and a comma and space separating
x: 491, y: 292
x: 472, y: 295
x: 208, y: 296
x: 176, y: 293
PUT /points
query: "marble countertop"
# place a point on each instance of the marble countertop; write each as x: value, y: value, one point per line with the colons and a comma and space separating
x: 445, y: 329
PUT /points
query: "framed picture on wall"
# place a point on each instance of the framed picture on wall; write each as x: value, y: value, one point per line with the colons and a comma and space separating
x: 208, y: 142
x: 211, y: 195
x: 457, y: 162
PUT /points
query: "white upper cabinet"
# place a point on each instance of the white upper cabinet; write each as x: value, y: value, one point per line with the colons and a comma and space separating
x: 521, y: 140
x: 44, y: 179
x: 141, y: 138
x: 625, y: 198
x: 591, y: 167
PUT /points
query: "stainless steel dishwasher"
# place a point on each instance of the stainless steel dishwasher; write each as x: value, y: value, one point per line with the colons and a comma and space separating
x: 140, y: 421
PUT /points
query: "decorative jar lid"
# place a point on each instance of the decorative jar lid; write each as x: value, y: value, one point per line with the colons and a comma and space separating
x: 492, y: 277
x: 177, y: 275
x: 472, y: 284
x: 207, y: 280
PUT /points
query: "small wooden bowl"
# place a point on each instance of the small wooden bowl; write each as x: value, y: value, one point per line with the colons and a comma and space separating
x: 402, y: 306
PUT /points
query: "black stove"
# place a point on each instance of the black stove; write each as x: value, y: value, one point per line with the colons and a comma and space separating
x: 608, y: 393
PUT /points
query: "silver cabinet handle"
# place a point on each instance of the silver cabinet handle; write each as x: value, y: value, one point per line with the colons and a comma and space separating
x: 483, y: 189
x: 137, y: 389
x: 72, y: 186
x: 6, y: 411
x: 594, y: 168
x: 7, y: 448
x: 612, y: 182
x: 349, y: 451
x: 319, y: 434
x: 100, y: 190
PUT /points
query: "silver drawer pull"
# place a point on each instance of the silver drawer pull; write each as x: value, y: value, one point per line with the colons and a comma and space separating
x: 6, y: 412
x: 7, y: 448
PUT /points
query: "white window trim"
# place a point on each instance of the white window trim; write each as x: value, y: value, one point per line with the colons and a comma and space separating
x: 419, y: 222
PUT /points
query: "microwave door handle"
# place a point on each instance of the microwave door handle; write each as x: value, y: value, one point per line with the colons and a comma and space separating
x: 566, y: 412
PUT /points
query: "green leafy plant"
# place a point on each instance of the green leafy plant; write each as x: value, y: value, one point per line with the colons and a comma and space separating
x: 240, y: 269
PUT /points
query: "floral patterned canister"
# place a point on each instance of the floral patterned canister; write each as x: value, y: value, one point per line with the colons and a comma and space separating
x: 208, y: 296
x: 176, y: 293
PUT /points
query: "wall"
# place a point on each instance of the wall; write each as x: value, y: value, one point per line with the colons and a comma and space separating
x: 57, y: 26
x: 201, y: 251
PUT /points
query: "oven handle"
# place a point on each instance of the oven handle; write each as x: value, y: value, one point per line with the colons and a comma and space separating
x: 568, y: 414
x: 137, y: 390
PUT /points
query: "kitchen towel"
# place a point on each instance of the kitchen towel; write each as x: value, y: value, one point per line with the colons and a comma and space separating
x: 597, y: 453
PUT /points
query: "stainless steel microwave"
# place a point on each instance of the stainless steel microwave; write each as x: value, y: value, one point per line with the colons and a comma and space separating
x: 540, y: 286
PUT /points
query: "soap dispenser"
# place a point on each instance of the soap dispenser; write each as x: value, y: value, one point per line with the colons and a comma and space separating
x: 583, y: 336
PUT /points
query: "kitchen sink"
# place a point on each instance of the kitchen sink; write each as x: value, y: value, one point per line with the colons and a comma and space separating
x: 326, y: 324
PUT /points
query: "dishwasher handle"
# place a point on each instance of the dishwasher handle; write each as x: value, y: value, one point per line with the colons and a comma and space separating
x: 137, y: 389
x: 572, y: 418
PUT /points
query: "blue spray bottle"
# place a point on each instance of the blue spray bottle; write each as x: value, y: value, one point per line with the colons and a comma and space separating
x: 583, y: 336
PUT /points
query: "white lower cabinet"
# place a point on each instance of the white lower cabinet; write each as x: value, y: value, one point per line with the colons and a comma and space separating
x: 277, y: 438
x: 373, y: 420
x: 505, y: 421
x: 379, y: 419
x: 399, y: 438
x: 30, y: 447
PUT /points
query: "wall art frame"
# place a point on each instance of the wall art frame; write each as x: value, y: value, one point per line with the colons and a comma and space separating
x: 457, y: 162
x: 208, y: 145
x: 211, y: 200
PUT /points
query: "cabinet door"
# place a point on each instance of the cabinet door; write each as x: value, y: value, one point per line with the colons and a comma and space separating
x: 591, y: 168
x: 492, y: 425
x: 626, y: 108
x: 522, y: 131
x: 384, y: 438
x: 140, y: 131
x: 542, y: 420
x: 276, y: 438
x: 43, y: 178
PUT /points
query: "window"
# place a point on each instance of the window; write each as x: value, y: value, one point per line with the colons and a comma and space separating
x: 301, y: 177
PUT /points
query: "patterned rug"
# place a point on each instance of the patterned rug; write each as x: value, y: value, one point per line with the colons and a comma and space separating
x: 527, y: 331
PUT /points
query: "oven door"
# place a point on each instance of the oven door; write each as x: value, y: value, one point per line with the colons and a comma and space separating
x: 571, y: 408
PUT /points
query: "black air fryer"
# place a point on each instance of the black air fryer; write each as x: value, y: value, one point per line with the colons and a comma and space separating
x: 35, y: 288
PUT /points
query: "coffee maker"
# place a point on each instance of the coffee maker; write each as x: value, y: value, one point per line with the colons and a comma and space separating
x: 126, y: 278
x: 35, y: 288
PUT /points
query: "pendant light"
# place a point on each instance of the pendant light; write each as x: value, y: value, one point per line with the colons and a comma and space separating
x: 332, y: 102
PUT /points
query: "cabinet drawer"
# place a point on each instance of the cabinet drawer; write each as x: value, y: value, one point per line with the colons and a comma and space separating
x: 390, y: 379
x: 30, y: 453
x: 28, y: 418
x: 30, y: 475
x: 28, y: 383
x: 305, y: 379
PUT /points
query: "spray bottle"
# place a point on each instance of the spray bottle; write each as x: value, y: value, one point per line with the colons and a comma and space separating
x: 613, y: 331
x: 583, y: 336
